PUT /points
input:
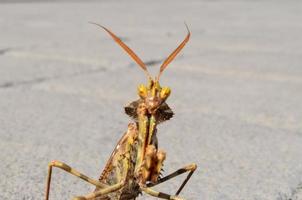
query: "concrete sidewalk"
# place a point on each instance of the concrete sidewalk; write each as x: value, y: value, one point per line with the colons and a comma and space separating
x: 236, y: 93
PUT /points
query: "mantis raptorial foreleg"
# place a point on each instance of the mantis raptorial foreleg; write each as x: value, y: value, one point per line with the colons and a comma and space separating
x: 72, y: 171
x: 159, y: 194
x: 189, y: 168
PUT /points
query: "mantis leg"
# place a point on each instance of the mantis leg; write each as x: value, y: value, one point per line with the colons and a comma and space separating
x: 100, y: 192
x: 160, y: 194
x: 121, y: 182
x: 191, y: 168
x: 72, y: 171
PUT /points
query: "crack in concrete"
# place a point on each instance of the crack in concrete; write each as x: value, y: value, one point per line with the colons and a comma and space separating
x: 151, y: 62
x: 12, y: 84
x: 54, y: 57
x: 4, y: 51
x: 154, y: 62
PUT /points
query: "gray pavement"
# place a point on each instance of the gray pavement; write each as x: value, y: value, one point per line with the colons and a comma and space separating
x: 236, y: 93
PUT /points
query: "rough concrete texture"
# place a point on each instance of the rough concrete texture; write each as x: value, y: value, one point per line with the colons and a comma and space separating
x: 236, y: 93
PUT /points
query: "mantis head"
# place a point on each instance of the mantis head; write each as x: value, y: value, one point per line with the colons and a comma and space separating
x: 152, y: 94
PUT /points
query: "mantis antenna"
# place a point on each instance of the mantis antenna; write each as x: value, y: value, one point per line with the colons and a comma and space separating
x: 174, y: 53
x: 127, y: 49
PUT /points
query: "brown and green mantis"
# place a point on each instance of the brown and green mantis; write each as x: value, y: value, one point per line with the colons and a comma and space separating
x: 135, y: 164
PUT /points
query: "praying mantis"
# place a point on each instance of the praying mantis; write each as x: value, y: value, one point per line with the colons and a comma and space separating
x: 135, y: 164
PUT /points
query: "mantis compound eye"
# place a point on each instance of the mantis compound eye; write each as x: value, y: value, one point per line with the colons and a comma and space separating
x: 165, y: 92
x: 142, y: 91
